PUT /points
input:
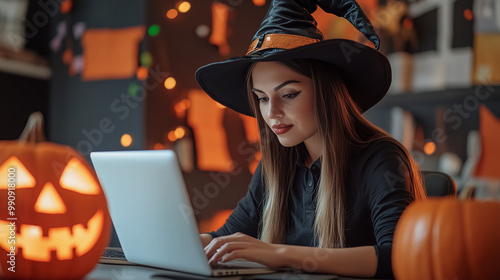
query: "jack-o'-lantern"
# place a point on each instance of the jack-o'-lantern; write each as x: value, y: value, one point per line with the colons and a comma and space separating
x: 55, y: 223
x: 448, y: 239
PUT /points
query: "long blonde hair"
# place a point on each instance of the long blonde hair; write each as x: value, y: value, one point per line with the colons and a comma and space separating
x: 342, y: 127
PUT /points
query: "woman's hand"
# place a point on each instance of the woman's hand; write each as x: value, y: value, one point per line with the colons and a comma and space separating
x: 239, y: 245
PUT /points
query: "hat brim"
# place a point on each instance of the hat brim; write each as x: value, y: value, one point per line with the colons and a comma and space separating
x: 365, y: 72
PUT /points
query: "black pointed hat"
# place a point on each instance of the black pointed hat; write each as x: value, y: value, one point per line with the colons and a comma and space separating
x: 289, y: 31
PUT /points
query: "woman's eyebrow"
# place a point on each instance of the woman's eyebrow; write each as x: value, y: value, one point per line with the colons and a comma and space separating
x: 278, y: 87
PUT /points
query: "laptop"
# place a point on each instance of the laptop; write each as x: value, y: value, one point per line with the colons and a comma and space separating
x: 153, y: 217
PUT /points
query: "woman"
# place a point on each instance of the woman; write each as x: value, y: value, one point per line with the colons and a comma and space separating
x: 331, y: 186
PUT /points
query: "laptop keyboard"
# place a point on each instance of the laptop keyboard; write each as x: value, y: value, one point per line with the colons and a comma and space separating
x: 113, y: 254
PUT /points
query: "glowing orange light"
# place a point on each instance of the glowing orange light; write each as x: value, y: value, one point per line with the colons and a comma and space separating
x: 50, y: 201
x: 158, y: 146
x: 142, y: 73
x: 179, y: 132
x: 170, y: 83
x: 408, y: 23
x: 468, y: 15
x: 259, y: 3
x: 76, y: 177
x: 184, y: 7
x: 66, y: 6
x: 172, y: 13
x: 186, y: 103
x: 126, y: 140
x: 429, y: 148
x: 181, y: 107
x: 171, y: 136
x: 24, y: 179
x: 67, y: 56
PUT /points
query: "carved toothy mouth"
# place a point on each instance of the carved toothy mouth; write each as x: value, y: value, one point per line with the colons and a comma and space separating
x: 61, y: 240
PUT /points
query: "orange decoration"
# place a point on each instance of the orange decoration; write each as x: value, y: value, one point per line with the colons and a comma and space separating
x: 220, y: 13
x: 62, y: 218
x: 486, y: 57
x: 210, y: 137
x: 488, y: 165
x: 111, y: 53
x: 447, y: 239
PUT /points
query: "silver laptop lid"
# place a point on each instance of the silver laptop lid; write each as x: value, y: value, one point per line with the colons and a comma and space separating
x: 150, y: 209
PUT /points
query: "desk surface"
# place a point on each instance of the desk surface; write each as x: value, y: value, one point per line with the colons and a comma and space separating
x: 136, y: 272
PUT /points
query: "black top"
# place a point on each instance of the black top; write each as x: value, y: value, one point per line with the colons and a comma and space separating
x: 377, y: 192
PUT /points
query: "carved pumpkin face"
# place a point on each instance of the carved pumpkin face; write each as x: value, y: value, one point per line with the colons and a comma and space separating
x: 62, y: 221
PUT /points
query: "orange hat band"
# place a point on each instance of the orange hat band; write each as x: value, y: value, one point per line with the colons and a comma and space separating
x: 281, y: 41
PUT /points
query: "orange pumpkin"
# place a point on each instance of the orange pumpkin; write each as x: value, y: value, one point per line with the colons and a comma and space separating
x: 55, y: 223
x: 448, y: 239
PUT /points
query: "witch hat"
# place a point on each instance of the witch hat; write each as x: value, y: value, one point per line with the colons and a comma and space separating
x: 289, y: 31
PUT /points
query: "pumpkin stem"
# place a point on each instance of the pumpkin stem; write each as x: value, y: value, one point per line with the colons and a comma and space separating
x: 33, y: 132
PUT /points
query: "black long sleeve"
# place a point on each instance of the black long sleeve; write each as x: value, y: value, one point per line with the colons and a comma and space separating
x: 376, y: 195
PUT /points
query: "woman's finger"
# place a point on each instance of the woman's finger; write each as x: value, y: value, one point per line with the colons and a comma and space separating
x: 217, y: 242
x: 228, y: 248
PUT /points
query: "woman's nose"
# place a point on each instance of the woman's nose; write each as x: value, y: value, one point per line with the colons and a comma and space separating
x: 275, y: 110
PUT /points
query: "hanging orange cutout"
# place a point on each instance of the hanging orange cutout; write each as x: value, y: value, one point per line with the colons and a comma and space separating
x: 111, y: 53
x: 220, y: 13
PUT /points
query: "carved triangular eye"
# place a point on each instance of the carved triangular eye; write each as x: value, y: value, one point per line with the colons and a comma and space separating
x: 76, y: 177
x: 49, y: 201
x: 13, y: 168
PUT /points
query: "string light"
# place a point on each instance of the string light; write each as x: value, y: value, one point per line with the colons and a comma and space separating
x: 170, y: 83
x: 259, y: 3
x: 429, y: 148
x: 142, y: 73
x: 172, y: 13
x: 126, y: 140
x: 154, y: 30
x: 184, y: 7
x: 171, y: 136
x: 179, y: 132
x: 468, y: 15
x: 146, y: 59
x: 133, y: 89
x: 158, y: 146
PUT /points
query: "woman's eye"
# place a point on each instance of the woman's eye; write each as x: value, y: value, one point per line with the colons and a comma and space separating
x: 263, y: 99
x: 291, y: 95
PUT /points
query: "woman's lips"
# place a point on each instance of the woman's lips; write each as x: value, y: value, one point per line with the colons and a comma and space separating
x: 281, y: 128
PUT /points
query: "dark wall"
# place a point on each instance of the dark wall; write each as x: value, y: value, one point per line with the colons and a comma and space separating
x: 20, y: 96
x: 81, y: 112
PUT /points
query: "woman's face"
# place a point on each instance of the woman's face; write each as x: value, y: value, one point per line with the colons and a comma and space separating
x: 286, y: 102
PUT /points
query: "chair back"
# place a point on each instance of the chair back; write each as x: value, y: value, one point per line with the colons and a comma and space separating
x: 439, y: 184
